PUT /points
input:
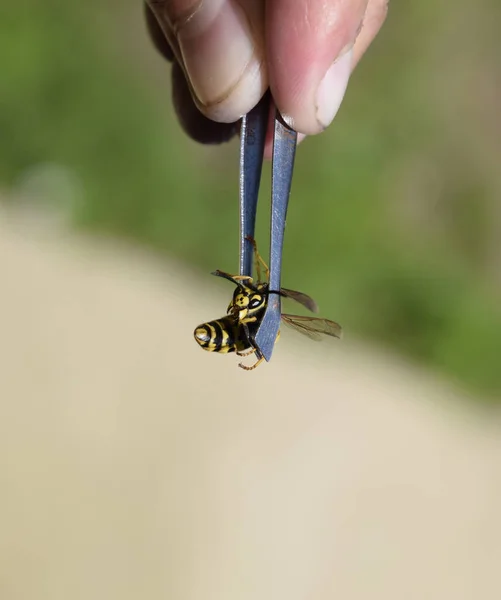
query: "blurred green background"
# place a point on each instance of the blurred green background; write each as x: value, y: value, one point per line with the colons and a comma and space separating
x: 395, y: 220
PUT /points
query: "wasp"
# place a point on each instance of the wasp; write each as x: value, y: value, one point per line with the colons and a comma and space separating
x: 235, y: 332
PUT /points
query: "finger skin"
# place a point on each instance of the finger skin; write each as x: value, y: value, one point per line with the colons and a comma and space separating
x: 156, y: 34
x: 220, y: 46
x: 196, y: 125
x: 374, y: 18
x: 303, y: 39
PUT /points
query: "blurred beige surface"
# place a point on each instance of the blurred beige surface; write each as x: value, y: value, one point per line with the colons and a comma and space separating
x: 135, y: 465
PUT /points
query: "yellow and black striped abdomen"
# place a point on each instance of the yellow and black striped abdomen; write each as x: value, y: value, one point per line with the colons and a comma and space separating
x: 222, y: 335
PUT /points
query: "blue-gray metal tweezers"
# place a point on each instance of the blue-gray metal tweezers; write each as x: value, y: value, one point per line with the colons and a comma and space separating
x: 252, y: 139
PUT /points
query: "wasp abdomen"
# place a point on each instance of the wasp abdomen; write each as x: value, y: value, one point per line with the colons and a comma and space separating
x: 220, y: 335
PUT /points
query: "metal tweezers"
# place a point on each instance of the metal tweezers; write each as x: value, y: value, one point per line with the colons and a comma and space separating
x: 252, y: 140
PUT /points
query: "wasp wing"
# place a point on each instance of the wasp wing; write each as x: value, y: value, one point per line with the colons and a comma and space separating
x: 313, y: 327
x: 303, y: 299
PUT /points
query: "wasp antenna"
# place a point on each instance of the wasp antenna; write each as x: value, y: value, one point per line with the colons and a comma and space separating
x: 227, y: 276
x: 222, y: 274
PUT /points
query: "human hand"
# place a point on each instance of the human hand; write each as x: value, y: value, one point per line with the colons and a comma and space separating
x: 226, y: 53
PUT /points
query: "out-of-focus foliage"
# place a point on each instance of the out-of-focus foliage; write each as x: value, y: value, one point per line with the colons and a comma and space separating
x: 395, y: 220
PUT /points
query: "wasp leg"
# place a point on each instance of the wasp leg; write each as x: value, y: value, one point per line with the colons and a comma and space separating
x: 252, y: 367
x: 248, y: 320
x: 247, y: 352
x: 252, y: 351
x: 259, y: 261
x: 242, y: 278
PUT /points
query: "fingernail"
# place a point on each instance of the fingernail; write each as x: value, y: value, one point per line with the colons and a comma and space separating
x: 222, y: 61
x: 332, y: 88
